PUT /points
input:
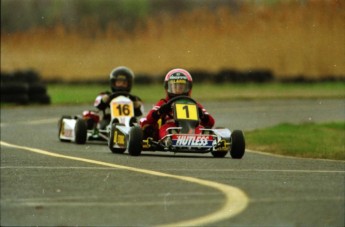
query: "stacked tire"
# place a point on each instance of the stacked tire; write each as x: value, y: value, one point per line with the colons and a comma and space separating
x: 23, y: 87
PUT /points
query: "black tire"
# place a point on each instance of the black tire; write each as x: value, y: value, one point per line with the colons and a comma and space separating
x: 135, y: 141
x: 238, y: 144
x: 21, y: 99
x: 219, y: 154
x: 60, y: 127
x: 111, y: 142
x: 28, y: 76
x: 32, y: 76
x: 14, y: 88
x: 37, y: 89
x: 80, y: 131
x: 40, y: 98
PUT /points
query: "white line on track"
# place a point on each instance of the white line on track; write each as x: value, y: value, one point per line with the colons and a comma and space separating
x: 32, y: 122
x: 43, y: 121
x: 235, y: 199
x: 111, y: 204
x: 183, y: 170
x: 260, y: 170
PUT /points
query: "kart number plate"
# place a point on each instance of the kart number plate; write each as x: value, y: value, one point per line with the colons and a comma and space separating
x: 122, y: 109
x: 186, y: 112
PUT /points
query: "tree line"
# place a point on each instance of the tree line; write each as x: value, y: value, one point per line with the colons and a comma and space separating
x: 21, y: 15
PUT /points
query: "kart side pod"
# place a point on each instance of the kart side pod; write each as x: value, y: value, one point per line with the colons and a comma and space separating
x: 66, y: 129
x: 72, y: 130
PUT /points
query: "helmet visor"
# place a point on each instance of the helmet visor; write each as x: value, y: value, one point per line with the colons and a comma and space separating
x: 119, y: 83
x: 178, y: 87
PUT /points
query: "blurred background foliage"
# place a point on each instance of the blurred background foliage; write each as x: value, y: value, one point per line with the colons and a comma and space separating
x: 87, y: 38
x: 19, y: 15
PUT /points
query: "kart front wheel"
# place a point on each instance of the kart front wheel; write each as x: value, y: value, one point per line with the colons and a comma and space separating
x: 238, y: 144
x: 80, y: 131
x: 135, y: 141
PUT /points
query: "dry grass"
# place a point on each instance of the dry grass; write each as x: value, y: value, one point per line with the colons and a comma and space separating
x: 290, y: 39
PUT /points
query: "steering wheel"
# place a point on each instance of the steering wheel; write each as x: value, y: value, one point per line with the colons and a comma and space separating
x: 118, y: 93
x: 180, y: 97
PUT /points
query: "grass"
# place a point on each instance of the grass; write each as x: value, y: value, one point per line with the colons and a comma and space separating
x: 308, y: 140
x: 83, y: 94
x: 74, y: 94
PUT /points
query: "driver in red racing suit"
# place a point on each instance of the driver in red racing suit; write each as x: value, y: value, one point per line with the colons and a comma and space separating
x: 177, y: 82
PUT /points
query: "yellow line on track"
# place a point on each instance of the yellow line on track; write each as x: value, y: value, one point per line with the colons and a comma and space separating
x: 235, y: 199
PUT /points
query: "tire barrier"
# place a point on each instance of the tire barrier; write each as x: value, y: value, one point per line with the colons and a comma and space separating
x: 144, y: 79
x: 224, y: 76
x: 250, y: 76
x: 23, y: 87
x: 200, y: 76
x: 13, y: 84
x: 301, y: 79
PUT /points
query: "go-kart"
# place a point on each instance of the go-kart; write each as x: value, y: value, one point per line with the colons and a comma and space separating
x: 80, y: 129
x: 183, y: 138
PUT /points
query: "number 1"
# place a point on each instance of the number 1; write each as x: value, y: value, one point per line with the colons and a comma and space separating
x: 187, y: 111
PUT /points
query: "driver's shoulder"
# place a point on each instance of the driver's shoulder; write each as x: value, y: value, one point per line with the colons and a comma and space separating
x: 105, y: 93
x: 134, y: 97
x: 161, y: 102
x: 199, y: 105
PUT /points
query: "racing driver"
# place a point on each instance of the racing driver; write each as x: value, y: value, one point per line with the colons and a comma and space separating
x: 121, y: 80
x: 177, y: 82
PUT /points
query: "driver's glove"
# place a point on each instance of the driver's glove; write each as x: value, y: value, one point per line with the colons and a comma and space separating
x: 164, y: 109
x: 203, y: 117
x: 201, y: 113
x: 105, y: 98
x: 101, y: 101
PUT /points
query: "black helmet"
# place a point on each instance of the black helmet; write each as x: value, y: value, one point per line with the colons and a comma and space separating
x: 121, y: 73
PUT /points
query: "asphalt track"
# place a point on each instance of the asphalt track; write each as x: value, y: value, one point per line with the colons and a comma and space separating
x: 48, y: 183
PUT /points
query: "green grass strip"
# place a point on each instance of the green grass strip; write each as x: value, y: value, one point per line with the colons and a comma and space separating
x: 309, y: 140
x: 84, y: 94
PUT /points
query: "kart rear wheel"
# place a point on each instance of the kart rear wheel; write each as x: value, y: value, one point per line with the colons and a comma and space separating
x: 60, y: 127
x: 238, y: 144
x: 135, y: 141
x: 111, y: 142
x: 80, y: 131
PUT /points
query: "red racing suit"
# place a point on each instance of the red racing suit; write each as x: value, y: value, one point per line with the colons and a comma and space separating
x: 155, y: 124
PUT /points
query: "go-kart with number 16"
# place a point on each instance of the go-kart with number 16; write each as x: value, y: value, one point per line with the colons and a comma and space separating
x: 80, y: 129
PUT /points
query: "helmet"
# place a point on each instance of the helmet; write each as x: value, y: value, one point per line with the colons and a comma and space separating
x: 123, y: 74
x: 178, y: 82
